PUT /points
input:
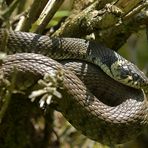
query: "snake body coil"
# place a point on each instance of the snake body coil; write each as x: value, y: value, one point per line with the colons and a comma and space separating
x: 106, y: 122
x: 109, y: 61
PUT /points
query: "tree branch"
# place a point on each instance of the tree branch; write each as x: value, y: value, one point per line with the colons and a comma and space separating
x: 33, y: 14
x: 102, y: 19
x: 47, y: 14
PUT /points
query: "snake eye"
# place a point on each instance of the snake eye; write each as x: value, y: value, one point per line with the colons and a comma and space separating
x: 135, y: 76
x: 124, y: 73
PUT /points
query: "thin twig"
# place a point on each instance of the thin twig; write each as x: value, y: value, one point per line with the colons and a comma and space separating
x: 7, y: 12
x: 7, y: 98
x: 128, y: 5
x: 47, y: 14
x: 135, y: 10
x: 9, y: 89
x: 20, y: 23
x: 33, y: 14
x: 79, y: 5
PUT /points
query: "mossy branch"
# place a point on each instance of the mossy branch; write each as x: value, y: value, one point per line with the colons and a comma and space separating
x: 102, y: 19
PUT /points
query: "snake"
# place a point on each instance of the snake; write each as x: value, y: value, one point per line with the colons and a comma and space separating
x: 116, y: 115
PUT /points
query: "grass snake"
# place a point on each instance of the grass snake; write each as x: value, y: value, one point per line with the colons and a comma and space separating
x: 117, y: 114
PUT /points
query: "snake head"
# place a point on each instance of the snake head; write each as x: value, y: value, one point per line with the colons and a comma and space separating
x: 129, y: 74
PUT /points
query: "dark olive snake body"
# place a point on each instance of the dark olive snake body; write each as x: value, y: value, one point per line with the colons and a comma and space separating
x: 112, y: 122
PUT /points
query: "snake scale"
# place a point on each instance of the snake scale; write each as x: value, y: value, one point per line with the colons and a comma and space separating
x: 117, y: 114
